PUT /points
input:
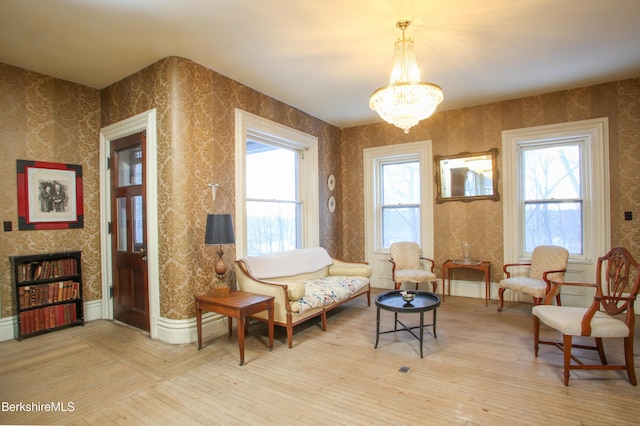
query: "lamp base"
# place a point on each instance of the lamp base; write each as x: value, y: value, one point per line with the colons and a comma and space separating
x: 221, y: 291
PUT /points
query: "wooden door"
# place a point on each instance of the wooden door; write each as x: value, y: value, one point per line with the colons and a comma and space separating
x: 129, y: 232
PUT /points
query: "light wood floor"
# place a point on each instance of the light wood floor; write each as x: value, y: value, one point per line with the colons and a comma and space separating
x: 479, y: 371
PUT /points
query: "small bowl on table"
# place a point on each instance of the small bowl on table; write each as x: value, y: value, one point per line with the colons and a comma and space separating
x: 408, y: 297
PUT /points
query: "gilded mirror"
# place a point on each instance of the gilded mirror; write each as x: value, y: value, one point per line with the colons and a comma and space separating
x: 467, y: 176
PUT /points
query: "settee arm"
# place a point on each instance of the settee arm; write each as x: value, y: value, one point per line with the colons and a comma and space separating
x: 248, y: 283
x: 342, y: 268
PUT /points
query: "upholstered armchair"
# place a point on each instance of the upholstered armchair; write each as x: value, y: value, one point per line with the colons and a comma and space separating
x: 611, y: 315
x: 408, y: 265
x: 547, y: 263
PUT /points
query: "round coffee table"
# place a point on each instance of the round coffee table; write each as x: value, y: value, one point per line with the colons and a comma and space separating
x: 392, y: 301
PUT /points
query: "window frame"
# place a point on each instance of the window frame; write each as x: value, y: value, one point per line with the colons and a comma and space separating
x: 252, y: 127
x: 420, y: 150
x: 596, y: 212
x: 380, y: 163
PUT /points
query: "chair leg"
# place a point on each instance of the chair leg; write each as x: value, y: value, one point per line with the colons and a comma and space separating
x: 434, y: 285
x: 501, y: 296
x: 600, y: 347
x: 558, y: 302
x: 628, y: 358
x: 417, y: 285
x: 566, y: 342
x: 536, y: 335
x: 398, y: 286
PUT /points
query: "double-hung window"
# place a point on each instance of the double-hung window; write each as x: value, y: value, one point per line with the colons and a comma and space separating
x: 276, y: 187
x: 274, y: 206
x: 398, y: 194
x: 552, y: 195
x: 556, y: 192
x: 399, y: 207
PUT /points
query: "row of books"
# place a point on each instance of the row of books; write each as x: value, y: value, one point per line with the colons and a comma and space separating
x: 42, y: 294
x: 48, y: 317
x: 47, y: 269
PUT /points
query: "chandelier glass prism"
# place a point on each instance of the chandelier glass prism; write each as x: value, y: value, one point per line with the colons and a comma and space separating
x: 406, y: 100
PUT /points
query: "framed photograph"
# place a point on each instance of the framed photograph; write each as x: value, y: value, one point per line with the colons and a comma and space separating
x: 49, y: 195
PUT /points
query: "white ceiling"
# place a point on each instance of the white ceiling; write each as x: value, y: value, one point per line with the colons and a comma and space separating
x: 327, y: 57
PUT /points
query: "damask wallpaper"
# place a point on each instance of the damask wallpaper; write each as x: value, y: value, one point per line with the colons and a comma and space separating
x: 196, y: 138
x: 43, y: 118
x: 46, y: 119
x: 479, y: 129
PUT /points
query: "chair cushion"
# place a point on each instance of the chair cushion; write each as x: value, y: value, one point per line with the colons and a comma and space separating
x: 413, y: 276
x: 568, y: 320
x: 531, y: 286
x: 328, y: 290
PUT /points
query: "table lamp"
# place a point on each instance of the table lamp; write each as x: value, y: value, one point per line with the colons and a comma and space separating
x: 219, y: 231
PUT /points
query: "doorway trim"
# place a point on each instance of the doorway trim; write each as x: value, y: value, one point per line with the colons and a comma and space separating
x: 145, y: 121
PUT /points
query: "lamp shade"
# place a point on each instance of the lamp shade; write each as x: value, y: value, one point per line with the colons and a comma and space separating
x: 219, y: 229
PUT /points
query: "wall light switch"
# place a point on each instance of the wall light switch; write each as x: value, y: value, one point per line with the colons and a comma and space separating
x: 628, y: 216
x: 8, y: 226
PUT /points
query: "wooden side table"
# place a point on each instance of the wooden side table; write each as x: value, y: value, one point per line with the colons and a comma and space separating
x: 482, y: 266
x: 238, y: 304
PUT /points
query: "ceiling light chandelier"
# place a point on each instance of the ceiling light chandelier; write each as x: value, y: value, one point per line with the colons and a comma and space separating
x: 406, y: 100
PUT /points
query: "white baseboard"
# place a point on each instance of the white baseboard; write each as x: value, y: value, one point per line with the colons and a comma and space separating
x: 168, y: 330
x: 185, y: 331
x: 473, y: 289
x: 92, y: 311
x: 7, y: 325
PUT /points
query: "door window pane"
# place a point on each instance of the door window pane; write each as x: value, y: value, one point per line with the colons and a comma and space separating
x: 122, y: 223
x: 138, y: 223
x: 130, y: 166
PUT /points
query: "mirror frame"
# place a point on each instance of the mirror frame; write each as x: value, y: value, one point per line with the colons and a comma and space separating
x: 494, y: 197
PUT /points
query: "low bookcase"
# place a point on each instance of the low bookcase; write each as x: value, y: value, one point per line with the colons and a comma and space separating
x: 48, y: 292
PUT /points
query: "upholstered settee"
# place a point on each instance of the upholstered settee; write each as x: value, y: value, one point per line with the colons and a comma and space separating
x: 306, y: 283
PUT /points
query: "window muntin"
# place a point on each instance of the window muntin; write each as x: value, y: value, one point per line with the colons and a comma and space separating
x: 273, y: 205
x: 552, y: 196
x: 399, y: 189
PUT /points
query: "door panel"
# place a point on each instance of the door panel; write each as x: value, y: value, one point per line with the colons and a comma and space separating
x: 130, y: 278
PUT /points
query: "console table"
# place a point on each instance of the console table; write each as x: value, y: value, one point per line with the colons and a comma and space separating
x: 238, y: 304
x: 479, y: 266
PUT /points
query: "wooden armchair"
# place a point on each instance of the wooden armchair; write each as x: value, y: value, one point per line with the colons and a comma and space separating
x: 611, y: 315
x: 407, y: 265
x: 547, y: 263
